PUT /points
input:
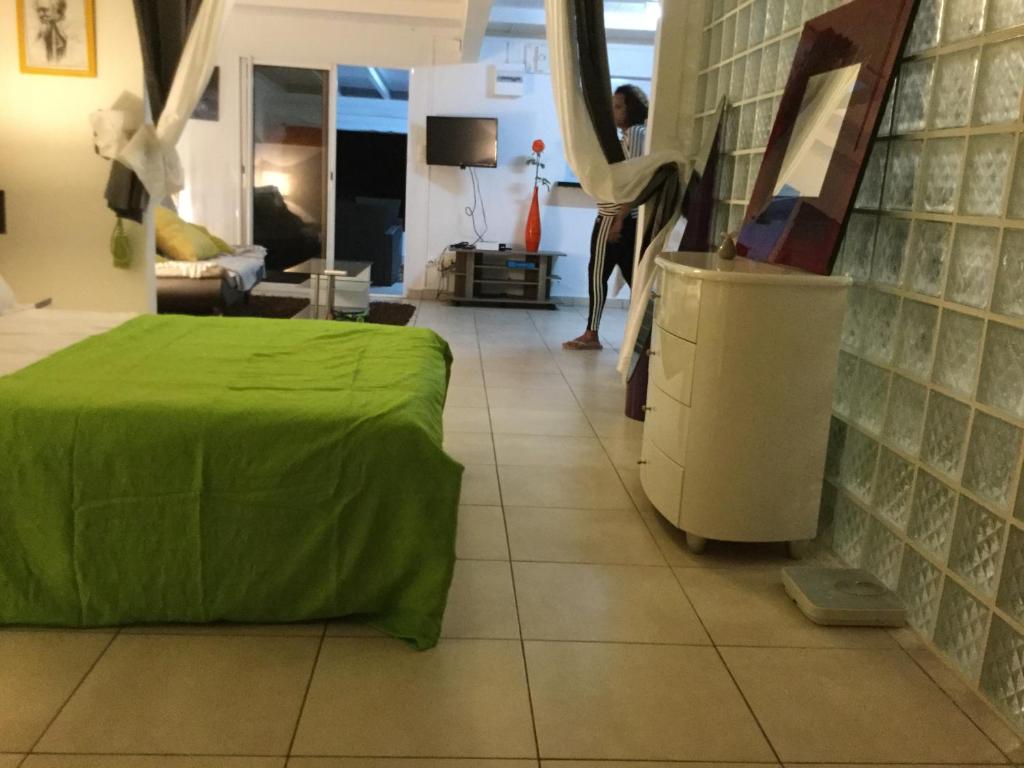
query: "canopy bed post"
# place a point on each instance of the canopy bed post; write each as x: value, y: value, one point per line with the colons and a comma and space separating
x: 179, y: 41
x: 582, y: 90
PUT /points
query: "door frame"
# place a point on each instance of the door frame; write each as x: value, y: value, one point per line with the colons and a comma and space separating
x: 405, y: 202
x: 245, y: 180
x: 247, y: 65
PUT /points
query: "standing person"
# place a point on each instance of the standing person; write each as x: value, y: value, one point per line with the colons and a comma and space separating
x: 613, y: 239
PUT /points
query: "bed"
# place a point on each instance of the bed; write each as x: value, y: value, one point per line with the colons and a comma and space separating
x: 166, y: 469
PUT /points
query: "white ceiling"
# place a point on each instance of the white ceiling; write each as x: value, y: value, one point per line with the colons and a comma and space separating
x: 540, y: 3
x: 374, y: 83
x: 434, y: 12
x: 626, y: 21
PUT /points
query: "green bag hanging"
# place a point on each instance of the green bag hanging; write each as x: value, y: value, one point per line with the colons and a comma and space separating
x: 120, y: 246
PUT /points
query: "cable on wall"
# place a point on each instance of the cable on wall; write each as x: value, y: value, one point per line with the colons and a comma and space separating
x: 478, y: 198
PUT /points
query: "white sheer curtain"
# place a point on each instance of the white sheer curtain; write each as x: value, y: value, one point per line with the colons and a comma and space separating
x: 621, y: 182
x: 151, y: 153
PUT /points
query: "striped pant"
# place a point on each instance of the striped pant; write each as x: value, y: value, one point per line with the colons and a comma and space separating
x: 604, y: 255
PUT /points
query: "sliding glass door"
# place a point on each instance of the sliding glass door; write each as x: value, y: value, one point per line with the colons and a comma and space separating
x: 292, y: 166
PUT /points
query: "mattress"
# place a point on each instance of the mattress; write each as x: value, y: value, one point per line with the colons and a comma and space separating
x: 241, y: 270
x: 28, y: 335
x: 187, y: 469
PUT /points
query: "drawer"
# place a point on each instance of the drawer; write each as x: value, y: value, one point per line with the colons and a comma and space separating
x: 672, y: 364
x: 678, y: 305
x: 662, y: 481
x: 665, y: 424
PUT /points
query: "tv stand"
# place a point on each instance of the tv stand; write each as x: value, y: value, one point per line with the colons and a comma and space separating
x: 509, y: 278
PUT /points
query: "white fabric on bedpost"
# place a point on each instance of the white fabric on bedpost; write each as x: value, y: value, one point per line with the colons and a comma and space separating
x: 7, y: 300
x: 620, y: 182
x: 152, y: 152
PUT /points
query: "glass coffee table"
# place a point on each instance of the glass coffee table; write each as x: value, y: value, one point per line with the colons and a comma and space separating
x: 350, y: 279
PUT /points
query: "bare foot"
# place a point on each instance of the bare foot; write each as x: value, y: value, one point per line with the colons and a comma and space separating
x: 588, y: 340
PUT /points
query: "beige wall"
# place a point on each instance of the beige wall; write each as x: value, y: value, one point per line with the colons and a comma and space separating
x: 57, y: 222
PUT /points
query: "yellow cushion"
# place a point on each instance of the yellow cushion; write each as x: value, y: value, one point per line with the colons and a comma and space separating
x: 177, y: 239
x: 222, y: 245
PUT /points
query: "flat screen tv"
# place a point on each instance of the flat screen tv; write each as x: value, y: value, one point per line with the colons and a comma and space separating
x: 462, y: 141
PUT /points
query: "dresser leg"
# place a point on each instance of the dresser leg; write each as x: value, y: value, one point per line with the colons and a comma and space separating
x: 798, y: 549
x: 695, y: 543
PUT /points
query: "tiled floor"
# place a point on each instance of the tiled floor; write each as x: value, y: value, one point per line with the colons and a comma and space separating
x: 580, y: 632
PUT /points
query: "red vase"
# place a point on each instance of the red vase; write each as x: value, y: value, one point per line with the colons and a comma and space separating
x: 532, y: 236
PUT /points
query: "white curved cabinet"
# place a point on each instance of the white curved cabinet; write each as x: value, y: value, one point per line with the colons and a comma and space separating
x: 743, y: 363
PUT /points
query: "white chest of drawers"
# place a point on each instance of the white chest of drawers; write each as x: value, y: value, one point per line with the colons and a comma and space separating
x: 742, y: 368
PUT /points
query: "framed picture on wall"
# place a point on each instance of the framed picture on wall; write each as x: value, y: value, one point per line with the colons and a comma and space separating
x: 208, y: 107
x: 57, y: 37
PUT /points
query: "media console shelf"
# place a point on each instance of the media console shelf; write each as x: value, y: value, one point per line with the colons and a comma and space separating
x: 510, y: 277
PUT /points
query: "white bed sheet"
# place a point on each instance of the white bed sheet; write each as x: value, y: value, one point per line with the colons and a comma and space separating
x: 242, y: 269
x: 29, y: 335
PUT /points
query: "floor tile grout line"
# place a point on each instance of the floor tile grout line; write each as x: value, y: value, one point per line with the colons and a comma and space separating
x: 305, y: 694
x: 647, y: 525
x: 497, y: 476
x: 615, y: 467
x: 745, y: 566
x: 561, y: 371
x: 71, y: 695
x: 577, y: 399
x: 669, y: 644
x: 419, y: 758
x: 541, y: 561
x: 217, y: 633
x: 342, y: 756
x: 154, y: 754
x: 512, y: 576
x: 469, y: 760
x: 953, y: 700
x: 725, y: 666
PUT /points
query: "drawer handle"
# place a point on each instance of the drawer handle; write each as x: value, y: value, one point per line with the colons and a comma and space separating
x: 641, y: 461
x: 648, y: 408
x: 655, y: 295
x: 651, y: 353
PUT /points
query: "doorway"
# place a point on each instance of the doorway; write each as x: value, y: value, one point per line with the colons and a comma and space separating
x: 290, y: 179
x: 372, y: 128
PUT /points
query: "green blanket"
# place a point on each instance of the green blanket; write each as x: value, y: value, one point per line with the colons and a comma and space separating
x: 181, y: 469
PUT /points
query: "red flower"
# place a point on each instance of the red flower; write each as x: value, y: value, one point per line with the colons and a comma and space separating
x: 538, y: 146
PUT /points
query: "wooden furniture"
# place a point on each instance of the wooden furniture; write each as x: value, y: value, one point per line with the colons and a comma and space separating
x: 512, y: 277
x: 742, y: 367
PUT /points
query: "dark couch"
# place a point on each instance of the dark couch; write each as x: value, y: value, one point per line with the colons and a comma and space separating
x: 287, y: 238
x: 187, y: 296
x: 369, y: 229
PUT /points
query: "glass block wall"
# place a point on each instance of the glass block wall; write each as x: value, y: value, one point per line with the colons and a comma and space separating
x: 923, y: 479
